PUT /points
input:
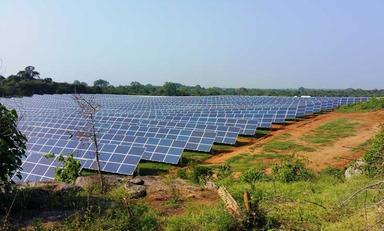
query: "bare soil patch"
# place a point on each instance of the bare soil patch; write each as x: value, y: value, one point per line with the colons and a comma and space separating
x: 339, y: 154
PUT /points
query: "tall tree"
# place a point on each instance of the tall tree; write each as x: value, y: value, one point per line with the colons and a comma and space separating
x: 29, y: 73
x: 101, y: 83
x: 12, y: 146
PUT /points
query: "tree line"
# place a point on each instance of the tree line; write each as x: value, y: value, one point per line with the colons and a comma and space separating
x: 28, y: 82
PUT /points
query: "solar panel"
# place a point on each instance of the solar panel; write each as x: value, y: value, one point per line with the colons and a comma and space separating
x: 131, y: 128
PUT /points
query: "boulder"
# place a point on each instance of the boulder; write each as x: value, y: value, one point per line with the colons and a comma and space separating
x: 355, y: 170
x: 135, y: 191
x: 87, y: 182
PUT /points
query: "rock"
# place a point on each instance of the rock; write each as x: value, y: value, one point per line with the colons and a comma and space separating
x: 210, y: 185
x: 87, y: 182
x: 355, y: 170
x: 136, y: 191
x: 137, y: 181
x: 67, y: 188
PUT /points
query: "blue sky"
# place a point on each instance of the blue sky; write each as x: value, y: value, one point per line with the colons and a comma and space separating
x: 255, y: 44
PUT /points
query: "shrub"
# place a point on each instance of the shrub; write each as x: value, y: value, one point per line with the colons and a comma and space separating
x: 70, y: 170
x: 334, y: 172
x: 290, y: 171
x: 200, y: 173
x: 374, y: 157
x: 252, y: 175
x: 224, y: 170
x: 181, y: 173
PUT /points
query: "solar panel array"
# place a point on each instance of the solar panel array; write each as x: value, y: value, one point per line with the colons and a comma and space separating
x: 134, y: 128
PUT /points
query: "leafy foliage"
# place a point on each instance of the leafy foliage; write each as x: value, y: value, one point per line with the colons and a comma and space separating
x: 12, y: 145
x: 291, y: 170
x: 374, y: 157
x: 252, y: 175
x: 200, y: 173
x: 27, y: 82
x: 225, y: 170
x: 70, y: 170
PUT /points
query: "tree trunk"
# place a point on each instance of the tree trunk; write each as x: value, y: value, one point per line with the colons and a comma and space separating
x: 95, y: 142
x: 247, y: 201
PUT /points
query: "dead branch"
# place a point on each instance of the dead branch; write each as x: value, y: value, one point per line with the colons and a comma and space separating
x: 354, y: 194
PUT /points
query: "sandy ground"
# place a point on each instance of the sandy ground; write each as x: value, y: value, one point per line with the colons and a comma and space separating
x: 338, y: 154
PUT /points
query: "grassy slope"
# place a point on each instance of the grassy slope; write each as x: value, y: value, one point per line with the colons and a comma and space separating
x: 373, y: 104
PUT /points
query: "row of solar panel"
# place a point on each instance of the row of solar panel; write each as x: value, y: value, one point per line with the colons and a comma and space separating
x: 157, y: 129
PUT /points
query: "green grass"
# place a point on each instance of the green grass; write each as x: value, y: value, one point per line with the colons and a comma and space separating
x: 222, y: 147
x: 152, y: 168
x: 309, y: 205
x: 373, y: 104
x: 190, y: 157
x: 262, y: 132
x: 201, y: 217
x: 243, y: 162
x: 332, y: 131
x: 287, y: 145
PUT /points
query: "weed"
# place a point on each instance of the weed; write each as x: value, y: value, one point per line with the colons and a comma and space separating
x: 374, y: 156
x: 200, y: 173
x: 290, y: 171
x: 252, y: 175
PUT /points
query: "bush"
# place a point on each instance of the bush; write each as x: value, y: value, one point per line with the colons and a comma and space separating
x: 70, y: 170
x: 200, y: 173
x: 224, y: 170
x: 334, y: 172
x: 181, y: 173
x: 290, y: 171
x: 374, y: 157
x: 252, y: 175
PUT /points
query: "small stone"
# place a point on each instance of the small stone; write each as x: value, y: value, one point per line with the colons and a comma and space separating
x: 137, y: 181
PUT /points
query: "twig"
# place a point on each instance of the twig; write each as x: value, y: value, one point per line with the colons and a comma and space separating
x: 342, y: 204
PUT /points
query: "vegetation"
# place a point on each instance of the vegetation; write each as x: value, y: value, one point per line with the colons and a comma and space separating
x: 201, y: 217
x: 88, y: 211
x: 28, y: 82
x: 200, y: 173
x: 373, y: 104
x: 70, y: 170
x: 374, y: 156
x: 12, y: 146
x: 280, y: 145
x: 290, y: 171
x: 252, y: 176
x: 332, y: 131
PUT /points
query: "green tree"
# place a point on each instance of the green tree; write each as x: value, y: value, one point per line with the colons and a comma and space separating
x: 169, y: 89
x: 101, y: 83
x: 29, y: 73
x: 12, y: 146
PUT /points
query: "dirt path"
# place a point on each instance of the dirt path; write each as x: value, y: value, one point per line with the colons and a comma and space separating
x: 337, y: 155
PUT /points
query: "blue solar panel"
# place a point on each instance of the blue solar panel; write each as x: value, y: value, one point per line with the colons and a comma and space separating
x: 131, y: 128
